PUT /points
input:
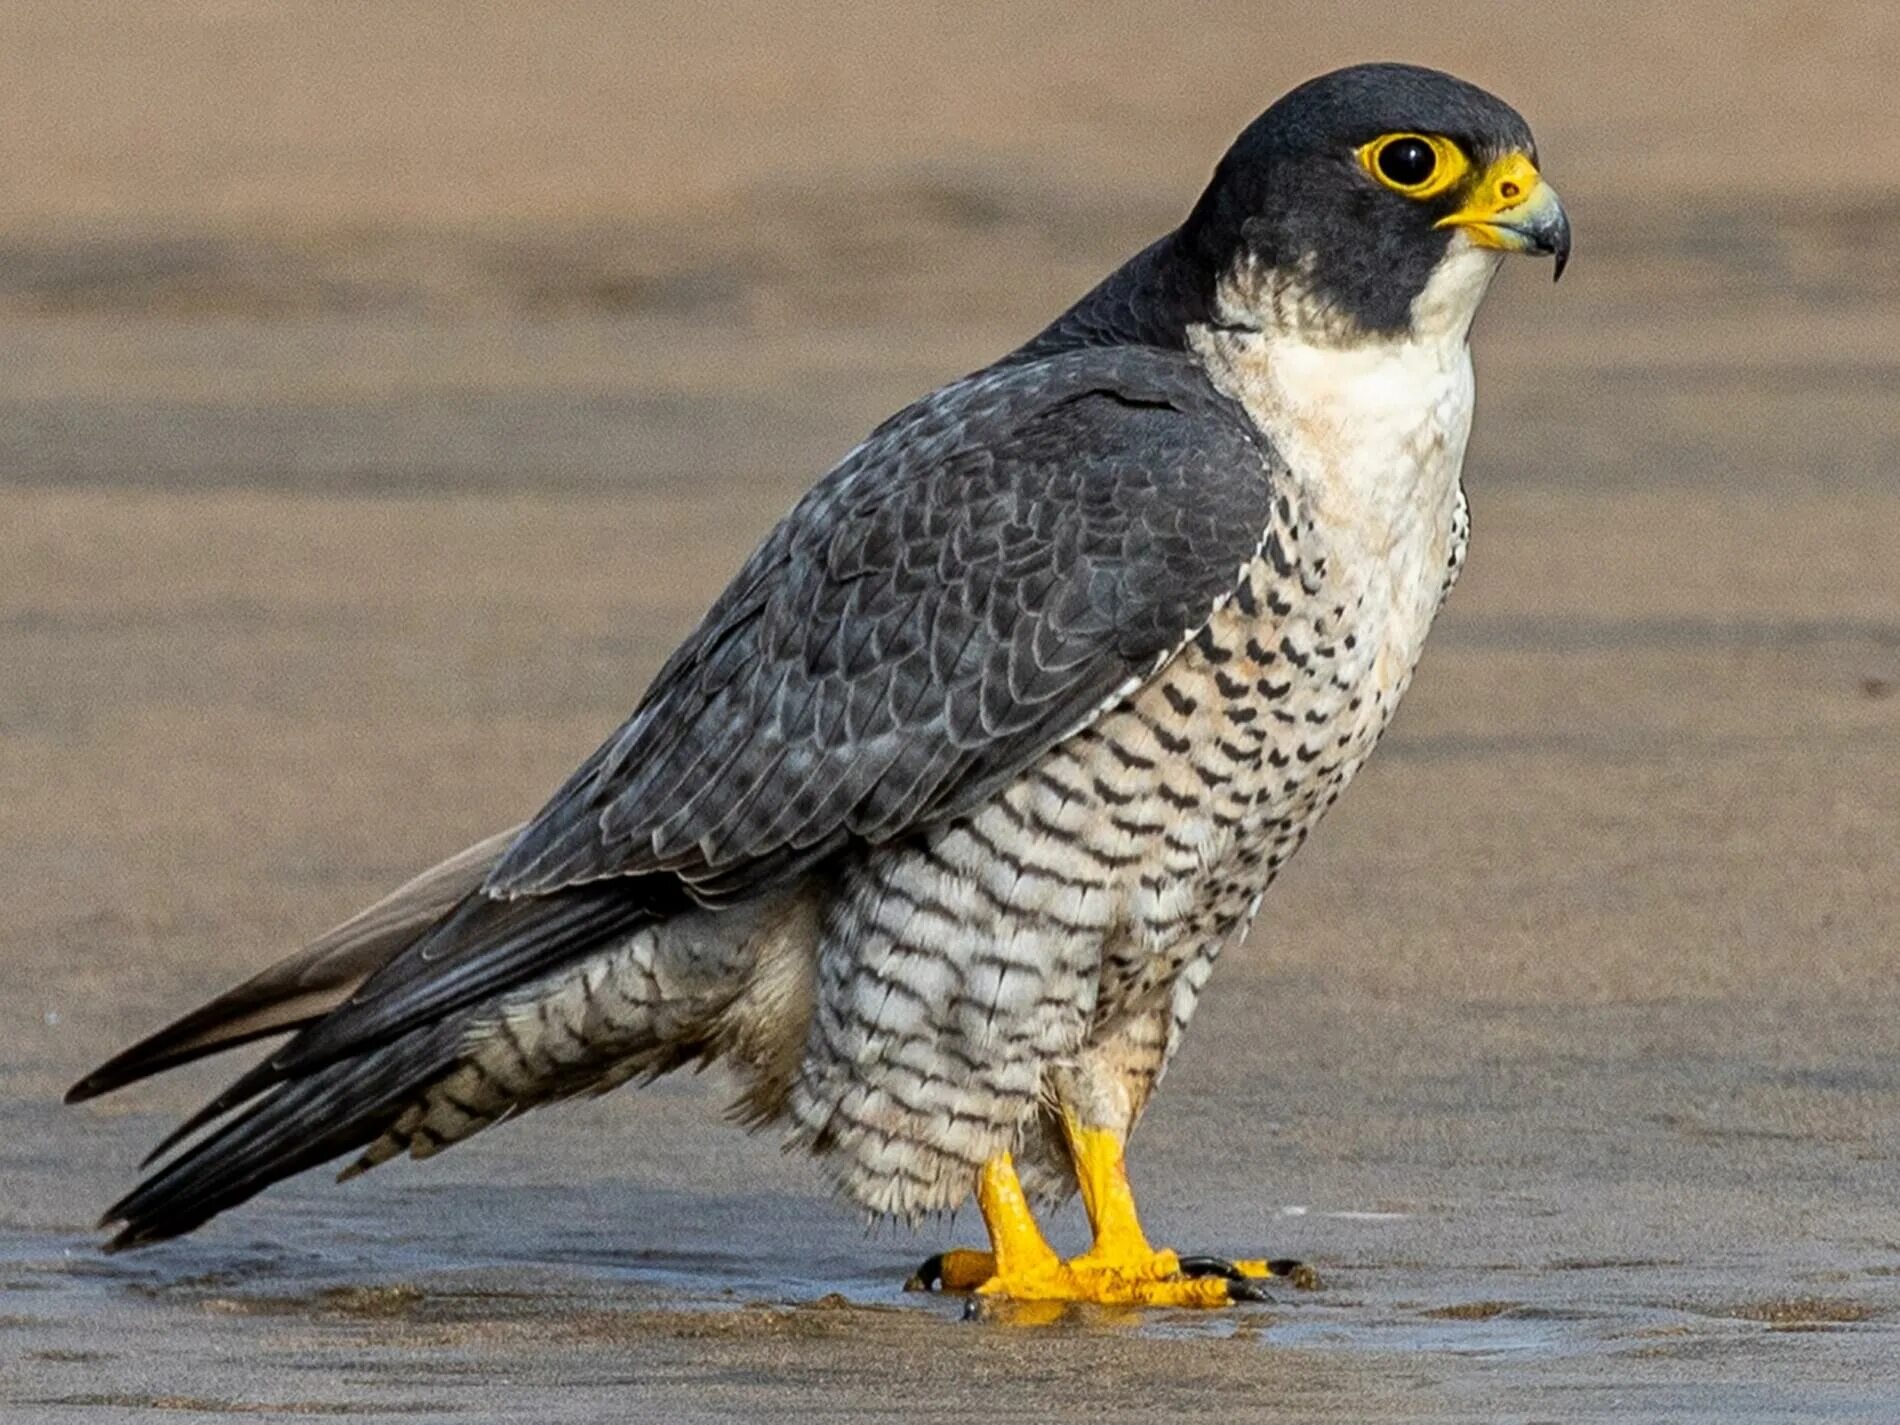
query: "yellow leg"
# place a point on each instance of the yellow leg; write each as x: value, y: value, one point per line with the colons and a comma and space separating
x: 1101, y: 1170
x: 1018, y: 1250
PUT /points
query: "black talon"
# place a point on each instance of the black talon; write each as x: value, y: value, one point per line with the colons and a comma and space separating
x: 1241, y: 1288
x: 1210, y: 1267
x: 927, y: 1277
x: 1288, y: 1269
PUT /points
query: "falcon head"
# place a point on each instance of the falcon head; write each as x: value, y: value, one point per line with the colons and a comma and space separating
x: 1373, y: 202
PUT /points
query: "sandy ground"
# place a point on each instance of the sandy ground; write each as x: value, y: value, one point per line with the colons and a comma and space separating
x: 384, y: 389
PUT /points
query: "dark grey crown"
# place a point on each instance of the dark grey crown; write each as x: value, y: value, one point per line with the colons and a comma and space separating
x: 1291, y: 191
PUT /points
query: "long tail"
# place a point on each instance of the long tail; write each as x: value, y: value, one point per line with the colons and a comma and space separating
x: 294, y: 1110
x: 440, y: 1011
x: 296, y: 1127
x: 302, y: 988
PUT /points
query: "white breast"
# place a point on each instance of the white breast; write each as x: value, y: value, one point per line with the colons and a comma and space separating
x: 1374, y: 434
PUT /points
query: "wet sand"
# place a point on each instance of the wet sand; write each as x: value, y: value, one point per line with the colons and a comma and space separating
x: 383, y: 397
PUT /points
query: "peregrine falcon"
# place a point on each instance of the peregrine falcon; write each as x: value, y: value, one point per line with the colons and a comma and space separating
x: 933, y: 829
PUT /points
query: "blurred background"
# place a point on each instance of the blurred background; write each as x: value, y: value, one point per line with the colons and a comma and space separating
x: 385, y: 388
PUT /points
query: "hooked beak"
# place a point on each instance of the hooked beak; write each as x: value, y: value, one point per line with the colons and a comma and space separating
x: 1509, y: 207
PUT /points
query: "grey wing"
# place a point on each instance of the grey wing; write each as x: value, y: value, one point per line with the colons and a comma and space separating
x: 971, y: 586
x: 981, y: 578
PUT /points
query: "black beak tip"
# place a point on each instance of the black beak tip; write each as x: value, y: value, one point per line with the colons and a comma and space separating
x: 1560, y: 246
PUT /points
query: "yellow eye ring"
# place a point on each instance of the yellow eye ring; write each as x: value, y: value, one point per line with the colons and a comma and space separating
x: 1417, y: 165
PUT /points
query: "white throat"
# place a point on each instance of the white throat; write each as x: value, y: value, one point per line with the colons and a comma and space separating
x: 1373, y: 428
x: 1373, y: 433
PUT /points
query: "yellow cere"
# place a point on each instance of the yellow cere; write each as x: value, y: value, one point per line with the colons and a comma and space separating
x: 1510, y: 182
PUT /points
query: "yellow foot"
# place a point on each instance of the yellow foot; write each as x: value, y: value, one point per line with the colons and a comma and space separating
x: 1119, y: 1268
x: 1158, y: 1279
x: 1105, y: 1286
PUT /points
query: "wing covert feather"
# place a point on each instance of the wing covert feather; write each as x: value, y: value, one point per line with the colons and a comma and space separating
x: 965, y: 589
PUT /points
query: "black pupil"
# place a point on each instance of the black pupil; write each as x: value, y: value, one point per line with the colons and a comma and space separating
x: 1407, y: 162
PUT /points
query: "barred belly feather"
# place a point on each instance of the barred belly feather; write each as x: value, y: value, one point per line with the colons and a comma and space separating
x: 1053, y: 945
x: 935, y: 999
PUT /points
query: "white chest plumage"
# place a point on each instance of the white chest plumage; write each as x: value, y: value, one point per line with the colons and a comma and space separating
x: 1375, y: 439
x: 1373, y: 432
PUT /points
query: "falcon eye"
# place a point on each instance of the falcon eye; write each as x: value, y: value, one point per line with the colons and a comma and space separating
x: 1417, y: 165
x: 1407, y: 162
